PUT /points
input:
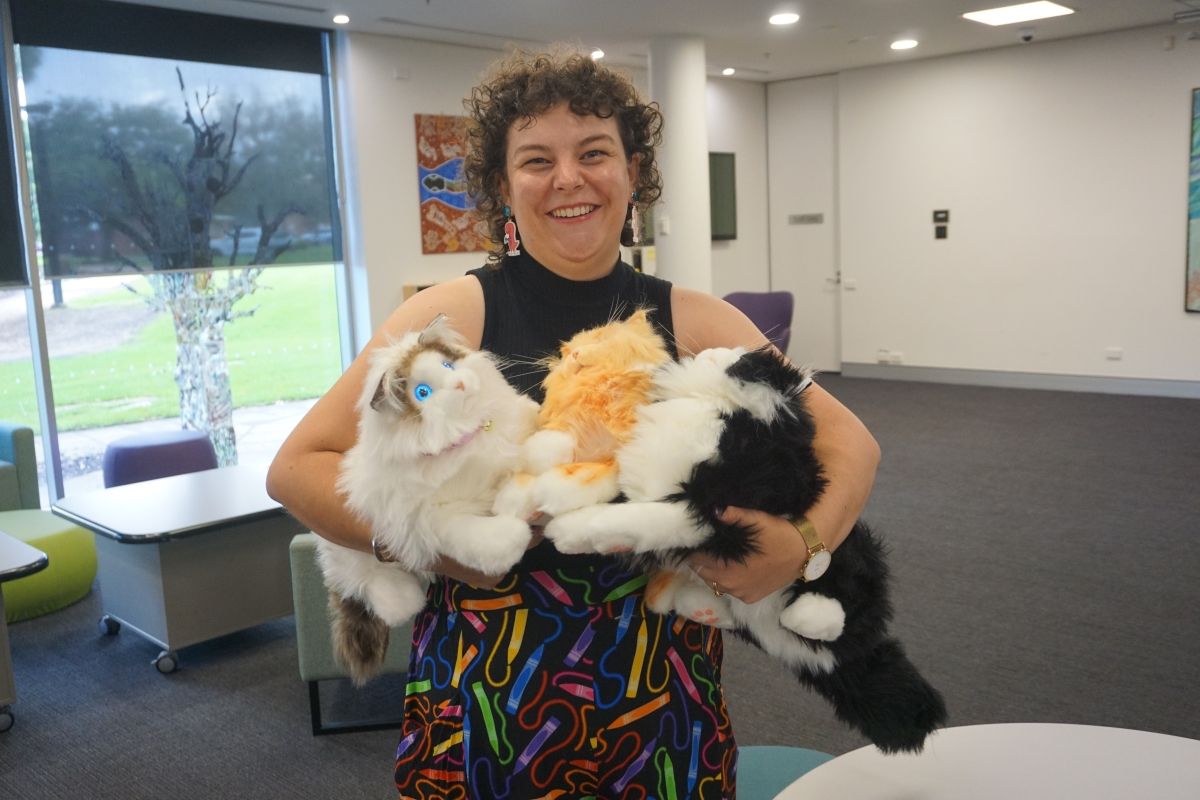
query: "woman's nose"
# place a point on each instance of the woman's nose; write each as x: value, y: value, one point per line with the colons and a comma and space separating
x: 567, y: 175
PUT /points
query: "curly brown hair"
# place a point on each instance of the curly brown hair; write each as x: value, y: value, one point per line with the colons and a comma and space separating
x: 524, y: 85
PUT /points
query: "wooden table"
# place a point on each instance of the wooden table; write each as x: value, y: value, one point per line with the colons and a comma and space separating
x: 188, y: 558
x: 1030, y: 761
x: 17, y: 560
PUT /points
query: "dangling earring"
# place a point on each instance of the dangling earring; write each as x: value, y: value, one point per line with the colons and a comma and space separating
x: 635, y: 221
x: 512, y: 245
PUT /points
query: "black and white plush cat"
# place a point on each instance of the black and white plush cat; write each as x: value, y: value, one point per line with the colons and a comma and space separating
x: 440, y: 431
x: 730, y: 427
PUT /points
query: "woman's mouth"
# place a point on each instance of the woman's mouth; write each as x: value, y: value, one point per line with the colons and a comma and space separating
x: 572, y: 212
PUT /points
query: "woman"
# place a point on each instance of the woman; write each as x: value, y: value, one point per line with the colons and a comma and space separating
x: 577, y: 691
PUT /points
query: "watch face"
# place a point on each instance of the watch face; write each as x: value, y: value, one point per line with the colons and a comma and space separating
x: 817, y: 564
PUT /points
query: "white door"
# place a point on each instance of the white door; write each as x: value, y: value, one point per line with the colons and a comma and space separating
x: 802, y: 165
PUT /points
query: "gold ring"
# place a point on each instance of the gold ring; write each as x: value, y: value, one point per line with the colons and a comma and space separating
x: 717, y: 591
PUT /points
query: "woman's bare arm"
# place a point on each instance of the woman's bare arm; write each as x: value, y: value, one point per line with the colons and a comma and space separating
x: 844, y: 446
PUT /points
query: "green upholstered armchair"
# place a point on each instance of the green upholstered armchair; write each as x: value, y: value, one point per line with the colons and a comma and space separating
x: 314, y: 642
x: 71, y: 549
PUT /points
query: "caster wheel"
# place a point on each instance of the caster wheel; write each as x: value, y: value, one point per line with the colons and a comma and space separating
x: 6, y: 718
x: 109, y: 626
x: 167, y: 662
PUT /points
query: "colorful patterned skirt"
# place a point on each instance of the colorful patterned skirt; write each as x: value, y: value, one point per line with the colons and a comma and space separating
x: 561, y: 684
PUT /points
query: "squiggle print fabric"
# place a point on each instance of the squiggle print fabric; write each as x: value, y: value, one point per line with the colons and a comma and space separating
x: 561, y: 684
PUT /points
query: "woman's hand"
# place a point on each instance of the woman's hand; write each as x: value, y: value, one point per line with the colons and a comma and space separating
x: 777, y: 564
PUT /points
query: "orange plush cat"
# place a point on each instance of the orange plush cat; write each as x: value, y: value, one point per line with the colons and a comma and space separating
x: 594, y: 388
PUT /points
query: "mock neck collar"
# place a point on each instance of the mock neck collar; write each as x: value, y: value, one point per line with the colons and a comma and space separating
x: 530, y: 272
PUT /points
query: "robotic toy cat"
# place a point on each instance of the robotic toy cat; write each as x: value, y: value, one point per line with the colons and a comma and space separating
x: 730, y: 427
x: 440, y: 431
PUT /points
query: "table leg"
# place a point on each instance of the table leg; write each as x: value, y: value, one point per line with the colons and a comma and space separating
x: 8, y: 688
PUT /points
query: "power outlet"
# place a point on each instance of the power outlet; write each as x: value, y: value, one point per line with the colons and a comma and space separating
x: 883, y: 356
x: 1114, y: 353
x: 895, y: 357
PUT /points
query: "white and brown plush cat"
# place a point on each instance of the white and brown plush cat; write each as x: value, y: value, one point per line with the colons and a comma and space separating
x: 730, y: 428
x: 440, y: 431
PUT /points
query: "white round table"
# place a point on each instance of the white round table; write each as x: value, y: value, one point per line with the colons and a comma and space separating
x: 1018, y: 761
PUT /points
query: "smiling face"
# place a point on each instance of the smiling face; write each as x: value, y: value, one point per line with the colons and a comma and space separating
x: 568, y: 182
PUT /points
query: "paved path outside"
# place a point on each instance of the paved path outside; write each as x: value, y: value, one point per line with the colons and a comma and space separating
x: 259, y: 430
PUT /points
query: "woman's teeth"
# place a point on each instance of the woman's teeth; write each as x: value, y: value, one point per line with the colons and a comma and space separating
x: 573, y: 211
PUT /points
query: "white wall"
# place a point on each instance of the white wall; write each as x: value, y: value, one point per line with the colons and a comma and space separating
x: 384, y: 82
x: 737, y: 119
x: 1064, y: 167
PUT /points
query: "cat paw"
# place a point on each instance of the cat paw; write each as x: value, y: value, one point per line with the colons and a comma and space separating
x: 571, y: 486
x: 697, y: 603
x: 583, y: 531
x: 499, y: 544
x: 814, y: 616
x: 515, y: 499
x: 710, y: 617
x: 546, y: 449
x: 397, y: 598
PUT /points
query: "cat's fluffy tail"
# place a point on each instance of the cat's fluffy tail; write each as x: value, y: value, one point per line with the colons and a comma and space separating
x: 360, y: 639
x: 883, y: 696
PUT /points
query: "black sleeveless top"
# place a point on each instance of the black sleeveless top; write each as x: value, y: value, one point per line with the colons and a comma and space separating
x: 529, y: 311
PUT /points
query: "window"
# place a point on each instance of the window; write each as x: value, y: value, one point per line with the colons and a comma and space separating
x: 175, y: 161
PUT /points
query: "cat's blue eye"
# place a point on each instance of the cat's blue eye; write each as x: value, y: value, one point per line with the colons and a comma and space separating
x: 421, y: 392
x: 447, y: 365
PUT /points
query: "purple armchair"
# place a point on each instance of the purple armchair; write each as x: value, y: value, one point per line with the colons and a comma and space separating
x: 770, y: 311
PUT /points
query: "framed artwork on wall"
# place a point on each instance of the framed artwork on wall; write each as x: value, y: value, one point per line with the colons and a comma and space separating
x: 447, y: 222
x: 1192, y: 288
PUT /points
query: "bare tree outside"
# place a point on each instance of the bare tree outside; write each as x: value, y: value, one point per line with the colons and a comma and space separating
x: 128, y: 189
x: 175, y: 236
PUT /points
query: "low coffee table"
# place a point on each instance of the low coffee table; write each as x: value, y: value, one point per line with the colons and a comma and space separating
x: 188, y: 558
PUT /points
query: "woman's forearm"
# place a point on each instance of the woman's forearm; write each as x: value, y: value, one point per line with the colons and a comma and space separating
x: 849, y: 456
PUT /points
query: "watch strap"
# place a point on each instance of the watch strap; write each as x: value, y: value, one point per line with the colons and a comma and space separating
x: 812, y: 541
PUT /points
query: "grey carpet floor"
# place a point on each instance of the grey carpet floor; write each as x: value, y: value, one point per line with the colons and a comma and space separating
x: 1046, y: 557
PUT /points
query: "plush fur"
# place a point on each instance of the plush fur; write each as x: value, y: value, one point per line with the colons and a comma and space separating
x: 440, y: 432
x: 594, y: 390
x: 730, y: 427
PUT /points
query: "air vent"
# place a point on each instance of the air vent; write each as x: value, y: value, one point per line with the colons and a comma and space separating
x: 288, y: 6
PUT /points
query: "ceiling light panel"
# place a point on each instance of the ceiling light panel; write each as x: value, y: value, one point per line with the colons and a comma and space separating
x: 1025, y: 12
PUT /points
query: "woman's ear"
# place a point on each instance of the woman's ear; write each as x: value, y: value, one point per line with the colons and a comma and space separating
x: 502, y: 191
x: 635, y: 169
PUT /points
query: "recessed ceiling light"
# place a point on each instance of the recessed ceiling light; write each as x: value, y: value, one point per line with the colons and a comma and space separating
x: 904, y: 44
x: 787, y: 18
x: 597, y: 54
x: 340, y: 19
x: 1025, y: 12
x: 728, y: 71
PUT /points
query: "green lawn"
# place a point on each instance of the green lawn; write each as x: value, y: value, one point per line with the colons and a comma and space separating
x: 288, y: 350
